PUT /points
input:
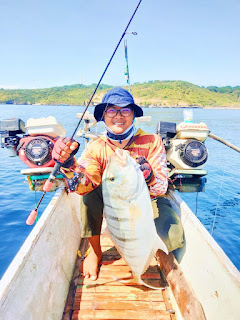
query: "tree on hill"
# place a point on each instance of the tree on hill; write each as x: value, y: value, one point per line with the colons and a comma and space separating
x: 158, y: 93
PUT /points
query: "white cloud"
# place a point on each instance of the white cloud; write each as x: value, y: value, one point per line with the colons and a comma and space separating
x: 4, y: 86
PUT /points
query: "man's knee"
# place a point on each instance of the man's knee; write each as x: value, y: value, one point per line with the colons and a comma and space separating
x: 91, y: 208
x: 168, y: 225
x: 93, y: 197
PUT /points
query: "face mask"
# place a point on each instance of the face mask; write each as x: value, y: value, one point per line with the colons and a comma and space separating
x: 127, y: 134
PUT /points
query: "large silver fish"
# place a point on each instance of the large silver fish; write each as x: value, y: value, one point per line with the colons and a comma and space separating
x: 129, y: 213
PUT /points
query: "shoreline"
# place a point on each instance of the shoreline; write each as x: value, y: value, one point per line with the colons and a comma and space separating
x: 189, y: 107
x: 145, y: 106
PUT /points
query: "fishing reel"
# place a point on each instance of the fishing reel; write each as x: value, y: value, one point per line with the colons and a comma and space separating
x: 186, y: 154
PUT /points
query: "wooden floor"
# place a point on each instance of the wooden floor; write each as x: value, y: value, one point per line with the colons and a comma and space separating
x: 109, y: 298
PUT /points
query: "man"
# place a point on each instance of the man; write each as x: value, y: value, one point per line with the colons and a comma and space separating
x: 118, y: 111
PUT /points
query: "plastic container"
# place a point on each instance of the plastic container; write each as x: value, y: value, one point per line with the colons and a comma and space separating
x: 197, y: 131
x: 188, y: 115
x: 47, y: 126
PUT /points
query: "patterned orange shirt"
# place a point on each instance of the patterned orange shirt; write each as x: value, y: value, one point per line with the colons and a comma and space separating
x: 96, y: 155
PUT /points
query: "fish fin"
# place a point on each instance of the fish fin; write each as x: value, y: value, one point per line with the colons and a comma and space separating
x: 122, y: 156
x: 135, y: 214
x: 159, y: 244
x: 135, y: 211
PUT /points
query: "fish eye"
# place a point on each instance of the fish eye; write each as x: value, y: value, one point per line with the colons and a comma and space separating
x: 112, y: 179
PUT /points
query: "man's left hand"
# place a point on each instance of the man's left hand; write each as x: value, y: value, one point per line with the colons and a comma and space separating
x: 145, y: 167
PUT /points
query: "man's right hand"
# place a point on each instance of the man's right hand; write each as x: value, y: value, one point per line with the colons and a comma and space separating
x: 64, y: 149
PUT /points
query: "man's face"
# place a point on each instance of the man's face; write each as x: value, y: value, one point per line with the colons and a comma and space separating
x: 118, y: 123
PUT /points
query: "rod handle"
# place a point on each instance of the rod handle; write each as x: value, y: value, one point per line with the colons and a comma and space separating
x: 32, y: 217
x: 48, y: 184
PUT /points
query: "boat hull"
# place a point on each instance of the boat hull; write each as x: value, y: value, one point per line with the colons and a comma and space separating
x: 36, y: 284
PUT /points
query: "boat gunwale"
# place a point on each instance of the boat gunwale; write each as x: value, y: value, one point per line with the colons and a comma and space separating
x: 26, y: 248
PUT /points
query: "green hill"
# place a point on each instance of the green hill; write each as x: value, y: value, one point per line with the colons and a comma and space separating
x: 152, y: 93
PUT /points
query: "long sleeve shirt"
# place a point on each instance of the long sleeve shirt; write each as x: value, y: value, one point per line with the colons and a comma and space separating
x: 95, y: 158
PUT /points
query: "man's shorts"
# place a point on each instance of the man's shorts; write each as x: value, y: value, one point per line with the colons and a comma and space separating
x: 168, y: 223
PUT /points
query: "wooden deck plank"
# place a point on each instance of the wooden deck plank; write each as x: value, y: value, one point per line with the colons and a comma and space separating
x: 121, y: 281
x: 110, y: 261
x: 119, y: 314
x: 109, y: 297
x: 119, y: 288
x: 111, y: 289
x: 142, y: 296
x: 106, y: 241
x: 125, y: 268
x: 118, y: 305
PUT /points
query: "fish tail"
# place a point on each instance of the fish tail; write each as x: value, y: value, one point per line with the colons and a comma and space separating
x: 149, y: 286
x: 133, y: 280
x: 137, y: 280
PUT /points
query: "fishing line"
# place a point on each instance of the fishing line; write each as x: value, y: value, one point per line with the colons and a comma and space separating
x: 196, y: 204
x: 122, y: 36
x: 219, y: 194
x: 48, y: 184
x: 37, y: 218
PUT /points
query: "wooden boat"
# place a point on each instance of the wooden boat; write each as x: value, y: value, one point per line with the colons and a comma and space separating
x: 44, y: 278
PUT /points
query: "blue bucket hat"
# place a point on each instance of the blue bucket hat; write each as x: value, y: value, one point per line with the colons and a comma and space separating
x: 118, y: 97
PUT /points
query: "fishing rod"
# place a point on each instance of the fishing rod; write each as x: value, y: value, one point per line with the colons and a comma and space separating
x: 48, y: 184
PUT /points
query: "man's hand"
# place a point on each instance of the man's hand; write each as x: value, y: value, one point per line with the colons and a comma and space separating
x: 145, y: 167
x: 64, y: 150
x: 79, y: 176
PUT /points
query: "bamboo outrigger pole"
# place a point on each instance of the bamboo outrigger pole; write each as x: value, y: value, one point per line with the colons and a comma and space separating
x: 230, y: 145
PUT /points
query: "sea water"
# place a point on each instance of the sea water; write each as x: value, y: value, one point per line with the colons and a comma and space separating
x: 218, y: 208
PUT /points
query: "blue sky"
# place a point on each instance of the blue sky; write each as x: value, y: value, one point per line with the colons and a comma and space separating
x: 46, y: 43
